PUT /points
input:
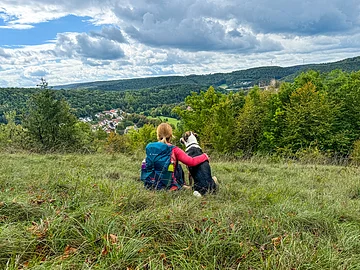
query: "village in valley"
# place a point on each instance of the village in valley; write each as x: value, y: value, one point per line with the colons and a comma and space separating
x: 108, y: 121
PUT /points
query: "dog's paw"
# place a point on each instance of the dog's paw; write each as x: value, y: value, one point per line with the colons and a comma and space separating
x: 197, y: 194
x: 215, y: 180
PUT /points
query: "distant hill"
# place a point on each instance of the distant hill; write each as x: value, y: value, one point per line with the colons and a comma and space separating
x: 233, y: 80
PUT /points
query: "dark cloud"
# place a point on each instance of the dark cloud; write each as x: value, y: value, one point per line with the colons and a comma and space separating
x: 206, y: 25
x: 85, y: 46
x: 194, y: 35
x: 98, y: 49
x: 110, y: 33
x: 219, y: 25
x: 188, y: 25
x: 297, y: 17
x: 234, y: 33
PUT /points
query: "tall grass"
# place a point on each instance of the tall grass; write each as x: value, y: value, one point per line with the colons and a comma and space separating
x: 91, y: 212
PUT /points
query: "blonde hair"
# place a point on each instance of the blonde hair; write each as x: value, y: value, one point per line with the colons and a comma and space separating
x: 164, y: 132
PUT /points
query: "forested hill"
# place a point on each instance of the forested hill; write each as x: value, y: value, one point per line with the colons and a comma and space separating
x: 233, y: 80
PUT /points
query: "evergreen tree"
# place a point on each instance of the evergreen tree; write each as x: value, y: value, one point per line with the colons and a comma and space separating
x: 50, y: 124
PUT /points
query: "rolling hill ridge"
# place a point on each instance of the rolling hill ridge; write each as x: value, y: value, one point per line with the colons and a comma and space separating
x: 235, y: 79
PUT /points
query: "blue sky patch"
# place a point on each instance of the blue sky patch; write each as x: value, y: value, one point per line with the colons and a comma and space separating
x: 43, y: 32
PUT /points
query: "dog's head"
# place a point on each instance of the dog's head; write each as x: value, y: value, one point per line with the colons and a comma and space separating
x: 189, y: 138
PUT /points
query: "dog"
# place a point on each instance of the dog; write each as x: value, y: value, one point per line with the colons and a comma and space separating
x: 201, y: 174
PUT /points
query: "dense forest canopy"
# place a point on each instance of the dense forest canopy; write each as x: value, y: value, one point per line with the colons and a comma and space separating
x: 87, y: 103
x: 317, y: 113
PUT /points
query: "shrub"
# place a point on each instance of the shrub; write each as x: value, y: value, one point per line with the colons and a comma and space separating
x: 117, y: 143
x: 355, y: 153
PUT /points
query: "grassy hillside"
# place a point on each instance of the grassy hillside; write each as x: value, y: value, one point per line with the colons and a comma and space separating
x: 90, y: 212
x: 169, y: 120
x: 236, y: 79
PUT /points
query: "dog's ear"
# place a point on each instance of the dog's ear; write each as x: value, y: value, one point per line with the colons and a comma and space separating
x: 182, y: 141
x: 196, y: 136
x: 186, y: 136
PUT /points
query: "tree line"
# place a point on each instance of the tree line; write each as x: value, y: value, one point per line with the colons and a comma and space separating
x: 316, y: 114
x: 150, y: 101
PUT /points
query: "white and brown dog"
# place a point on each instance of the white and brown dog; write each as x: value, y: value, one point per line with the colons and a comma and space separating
x: 201, y: 174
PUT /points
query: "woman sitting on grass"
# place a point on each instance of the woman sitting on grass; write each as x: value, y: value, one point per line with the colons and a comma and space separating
x: 161, y: 169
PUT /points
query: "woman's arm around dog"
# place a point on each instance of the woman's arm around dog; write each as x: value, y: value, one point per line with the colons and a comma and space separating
x: 187, y: 160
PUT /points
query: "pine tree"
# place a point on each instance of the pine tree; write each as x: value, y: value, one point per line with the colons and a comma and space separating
x: 50, y: 124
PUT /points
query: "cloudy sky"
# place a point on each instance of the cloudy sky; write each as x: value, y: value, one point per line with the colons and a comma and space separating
x: 69, y: 41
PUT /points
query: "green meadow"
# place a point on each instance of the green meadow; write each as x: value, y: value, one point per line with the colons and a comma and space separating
x: 166, y: 119
x: 91, y: 212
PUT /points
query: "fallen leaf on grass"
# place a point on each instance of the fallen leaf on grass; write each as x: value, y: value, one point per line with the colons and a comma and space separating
x: 67, y: 252
x: 40, y: 230
x: 111, y: 238
x: 104, y: 251
x: 39, y: 202
x: 276, y: 240
x: 24, y: 266
x: 163, y: 256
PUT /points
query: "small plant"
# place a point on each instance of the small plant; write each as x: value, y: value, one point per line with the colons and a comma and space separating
x: 355, y: 153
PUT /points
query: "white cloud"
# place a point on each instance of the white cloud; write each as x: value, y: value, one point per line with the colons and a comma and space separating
x: 148, y: 37
x: 36, y: 72
x: 17, y: 26
x: 84, y: 46
x: 4, y: 54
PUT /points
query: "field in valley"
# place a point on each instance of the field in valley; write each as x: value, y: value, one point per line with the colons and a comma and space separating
x: 91, y: 212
